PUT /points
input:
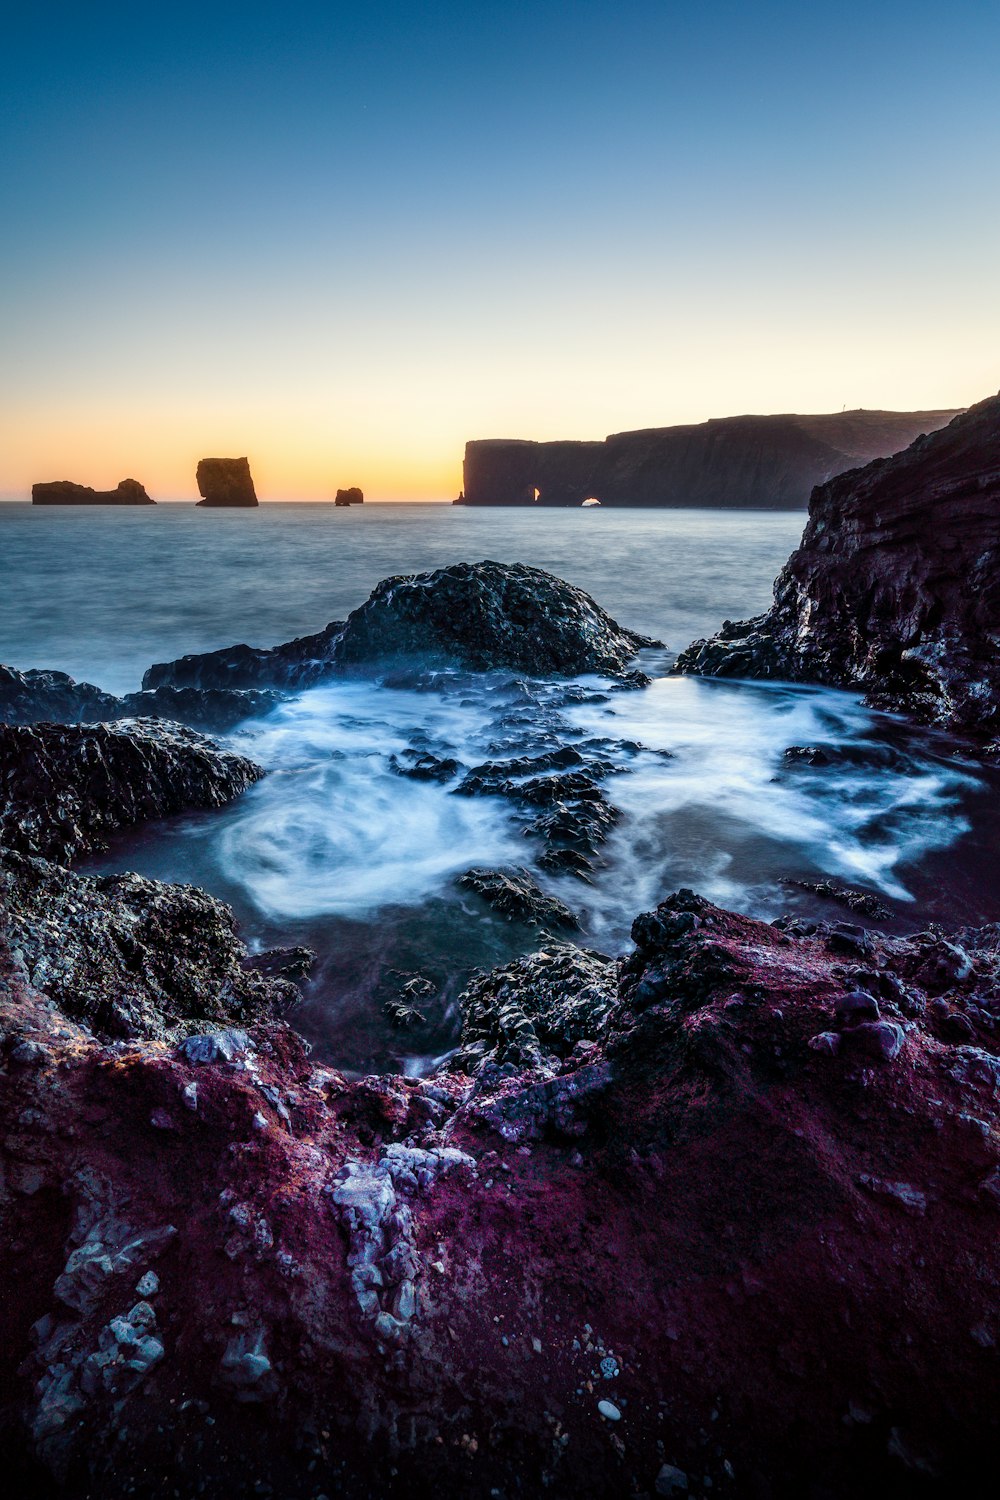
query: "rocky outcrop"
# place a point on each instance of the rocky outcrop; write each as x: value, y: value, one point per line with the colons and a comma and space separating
x: 352, y: 496
x: 487, y: 615
x: 736, y: 1222
x: 478, y: 615
x: 738, y: 462
x: 516, y: 895
x: 132, y: 957
x: 35, y: 697
x: 895, y: 588
x: 65, y: 492
x: 225, y: 482
x: 65, y: 788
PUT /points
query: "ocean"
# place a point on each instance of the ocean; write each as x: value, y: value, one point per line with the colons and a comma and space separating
x: 335, y: 849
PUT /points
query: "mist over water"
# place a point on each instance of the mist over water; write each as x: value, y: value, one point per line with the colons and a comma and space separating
x: 338, y: 850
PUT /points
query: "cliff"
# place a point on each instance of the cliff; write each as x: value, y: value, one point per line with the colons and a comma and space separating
x: 738, y: 462
x: 65, y: 492
x: 894, y: 588
x: 225, y: 482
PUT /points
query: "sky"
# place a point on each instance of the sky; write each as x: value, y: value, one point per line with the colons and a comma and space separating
x: 343, y: 239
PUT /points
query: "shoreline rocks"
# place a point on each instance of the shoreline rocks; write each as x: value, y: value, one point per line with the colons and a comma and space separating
x: 893, y: 590
x: 65, y: 492
x: 225, y: 482
x: 482, y: 616
x: 65, y: 788
x: 35, y: 696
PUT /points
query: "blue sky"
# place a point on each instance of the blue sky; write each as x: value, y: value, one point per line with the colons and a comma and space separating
x: 345, y: 239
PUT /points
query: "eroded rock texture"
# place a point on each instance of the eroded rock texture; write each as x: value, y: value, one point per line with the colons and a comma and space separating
x: 895, y: 588
x: 65, y: 492
x: 739, y: 462
x: 225, y: 481
x: 65, y: 788
x: 736, y: 1225
x: 478, y: 615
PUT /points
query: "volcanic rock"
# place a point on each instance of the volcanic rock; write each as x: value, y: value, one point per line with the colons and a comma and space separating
x: 515, y: 894
x: 132, y: 957
x: 352, y: 496
x: 65, y: 492
x: 477, y: 615
x: 225, y: 481
x: 35, y: 697
x: 895, y: 588
x: 64, y: 788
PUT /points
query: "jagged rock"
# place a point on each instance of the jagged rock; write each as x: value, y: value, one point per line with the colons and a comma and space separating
x: 65, y: 492
x: 515, y: 894
x: 478, y: 615
x: 537, y: 1007
x: 64, y: 788
x: 129, y: 956
x: 295, y: 664
x: 894, y: 589
x: 737, y: 462
x: 486, y: 615
x: 225, y: 481
x: 35, y: 697
x: 352, y: 496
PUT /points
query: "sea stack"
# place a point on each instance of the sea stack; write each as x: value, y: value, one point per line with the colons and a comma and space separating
x: 65, y: 492
x: 353, y: 496
x: 225, y: 482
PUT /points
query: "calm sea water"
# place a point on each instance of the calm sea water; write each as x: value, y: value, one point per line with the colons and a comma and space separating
x: 336, y: 850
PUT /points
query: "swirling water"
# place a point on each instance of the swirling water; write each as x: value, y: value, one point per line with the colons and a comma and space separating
x: 336, y: 849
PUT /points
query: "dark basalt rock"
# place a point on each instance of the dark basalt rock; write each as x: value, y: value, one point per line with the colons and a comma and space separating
x: 352, y: 496
x: 225, y: 482
x: 895, y: 589
x: 478, y: 615
x: 488, y: 615
x: 64, y: 788
x: 514, y: 894
x: 738, y: 462
x: 537, y: 1008
x: 36, y: 697
x: 295, y: 664
x: 65, y: 492
x: 132, y: 957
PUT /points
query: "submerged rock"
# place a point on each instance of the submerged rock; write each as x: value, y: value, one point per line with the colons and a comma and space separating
x: 894, y: 589
x: 225, y: 481
x: 65, y: 788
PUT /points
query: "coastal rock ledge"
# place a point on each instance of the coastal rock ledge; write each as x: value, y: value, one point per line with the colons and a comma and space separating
x: 895, y: 588
x: 65, y: 492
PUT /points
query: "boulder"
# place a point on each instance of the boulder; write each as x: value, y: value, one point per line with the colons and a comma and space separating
x: 516, y: 895
x: 65, y: 492
x: 478, y: 615
x: 65, y: 788
x: 225, y: 482
x: 895, y: 588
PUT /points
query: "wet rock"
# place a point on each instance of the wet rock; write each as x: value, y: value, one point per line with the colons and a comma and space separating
x: 299, y: 663
x: 893, y: 588
x: 65, y: 788
x: 488, y: 615
x: 865, y: 903
x: 36, y: 697
x: 422, y: 766
x: 515, y: 894
x: 282, y: 963
x: 128, y: 956
x: 537, y: 1007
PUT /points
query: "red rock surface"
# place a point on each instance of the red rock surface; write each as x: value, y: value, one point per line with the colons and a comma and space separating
x: 786, y: 1247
